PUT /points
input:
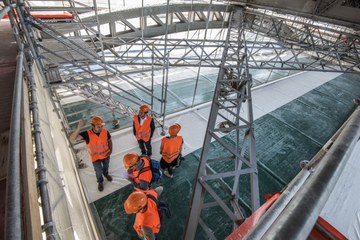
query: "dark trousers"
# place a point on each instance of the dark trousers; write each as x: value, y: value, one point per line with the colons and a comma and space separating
x: 101, y: 168
x: 145, y: 147
x: 168, y: 166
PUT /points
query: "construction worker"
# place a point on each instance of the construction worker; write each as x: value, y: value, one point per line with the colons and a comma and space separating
x: 139, y: 171
x: 170, y: 150
x: 143, y: 128
x: 99, y: 144
x: 147, y: 220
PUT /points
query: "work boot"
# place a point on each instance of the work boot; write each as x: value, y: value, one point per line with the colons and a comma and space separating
x: 100, y: 186
x: 109, y: 178
x: 168, y: 174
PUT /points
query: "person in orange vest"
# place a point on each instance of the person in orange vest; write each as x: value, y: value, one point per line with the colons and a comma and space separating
x: 99, y: 144
x: 147, y: 220
x: 143, y: 129
x: 138, y: 170
x: 170, y: 150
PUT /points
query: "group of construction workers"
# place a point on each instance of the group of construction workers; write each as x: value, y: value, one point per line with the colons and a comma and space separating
x: 143, y: 201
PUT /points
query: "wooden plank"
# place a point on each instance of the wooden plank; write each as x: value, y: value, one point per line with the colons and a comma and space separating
x: 31, y: 205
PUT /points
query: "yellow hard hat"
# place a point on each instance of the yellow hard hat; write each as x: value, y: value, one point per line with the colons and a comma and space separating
x: 135, y: 202
x: 144, y: 108
x: 97, y: 120
x: 130, y: 159
x: 174, y: 129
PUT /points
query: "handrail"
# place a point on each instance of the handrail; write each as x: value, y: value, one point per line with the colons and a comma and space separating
x: 4, y: 11
x: 300, y: 215
x: 292, y: 188
x: 13, y: 218
x: 48, y: 227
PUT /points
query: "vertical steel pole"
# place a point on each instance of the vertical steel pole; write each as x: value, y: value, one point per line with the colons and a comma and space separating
x: 13, y: 223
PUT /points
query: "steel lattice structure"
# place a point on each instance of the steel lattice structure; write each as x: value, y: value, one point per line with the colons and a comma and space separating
x: 77, y: 56
x: 232, y: 94
x: 90, y: 62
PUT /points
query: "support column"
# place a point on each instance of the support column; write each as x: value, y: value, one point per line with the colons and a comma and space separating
x: 218, y: 176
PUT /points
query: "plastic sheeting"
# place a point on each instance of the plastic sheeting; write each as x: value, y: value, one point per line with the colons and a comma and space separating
x: 342, y: 210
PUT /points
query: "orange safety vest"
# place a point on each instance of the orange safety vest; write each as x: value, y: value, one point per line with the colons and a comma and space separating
x: 150, y: 218
x: 98, y: 145
x: 143, y: 132
x: 143, y: 175
x: 171, y: 148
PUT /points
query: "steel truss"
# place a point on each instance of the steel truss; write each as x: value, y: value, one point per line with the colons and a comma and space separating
x: 150, y: 21
x: 275, y: 42
x: 333, y: 48
x: 90, y: 81
x: 231, y: 107
x: 288, y: 39
x: 268, y: 40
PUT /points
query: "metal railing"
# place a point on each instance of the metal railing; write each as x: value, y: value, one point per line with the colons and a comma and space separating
x: 14, y: 228
x: 13, y: 217
x: 294, y: 215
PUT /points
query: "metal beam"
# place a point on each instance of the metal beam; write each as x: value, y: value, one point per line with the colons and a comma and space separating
x: 13, y: 214
x: 230, y: 77
x: 68, y: 9
x: 294, y: 222
x: 344, y: 14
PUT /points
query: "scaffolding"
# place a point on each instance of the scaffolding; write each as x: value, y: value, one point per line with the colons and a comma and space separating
x: 122, y: 59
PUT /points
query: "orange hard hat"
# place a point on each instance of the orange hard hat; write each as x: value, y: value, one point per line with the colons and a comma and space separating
x: 96, y: 120
x: 135, y: 202
x: 130, y: 159
x: 174, y: 129
x: 144, y: 108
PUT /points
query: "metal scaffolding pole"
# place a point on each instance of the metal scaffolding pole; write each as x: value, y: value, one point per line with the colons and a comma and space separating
x: 294, y: 222
x: 13, y: 187
x: 27, y: 37
x: 232, y: 94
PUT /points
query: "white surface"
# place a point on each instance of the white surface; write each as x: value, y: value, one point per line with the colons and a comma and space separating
x: 70, y: 211
x: 342, y: 210
x: 125, y: 142
x: 194, y: 123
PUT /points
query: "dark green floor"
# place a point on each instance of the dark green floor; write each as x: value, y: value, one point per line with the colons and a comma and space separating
x: 284, y: 137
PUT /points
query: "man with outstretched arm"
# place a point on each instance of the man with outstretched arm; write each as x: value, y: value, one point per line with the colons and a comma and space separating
x: 99, y: 144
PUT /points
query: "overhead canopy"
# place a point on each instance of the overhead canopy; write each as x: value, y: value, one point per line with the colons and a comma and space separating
x: 341, y: 12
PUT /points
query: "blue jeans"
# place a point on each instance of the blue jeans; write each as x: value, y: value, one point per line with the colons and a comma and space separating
x: 145, y: 147
x: 101, y: 168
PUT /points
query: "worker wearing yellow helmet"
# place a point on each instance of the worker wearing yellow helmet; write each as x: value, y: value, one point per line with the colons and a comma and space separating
x: 170, y: 150
x: 143, y: 129
x: 99, y: 144
x: 143, y: 204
